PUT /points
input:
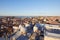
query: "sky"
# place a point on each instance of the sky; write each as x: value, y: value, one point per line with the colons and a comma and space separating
x: 29, y: 7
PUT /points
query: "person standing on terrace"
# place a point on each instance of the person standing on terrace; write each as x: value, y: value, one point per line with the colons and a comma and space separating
x: 22, y: 29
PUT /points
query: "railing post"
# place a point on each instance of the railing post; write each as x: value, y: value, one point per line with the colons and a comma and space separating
x: 5, y: 36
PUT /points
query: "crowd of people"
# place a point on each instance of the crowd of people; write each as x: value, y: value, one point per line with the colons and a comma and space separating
x: 32, y: 26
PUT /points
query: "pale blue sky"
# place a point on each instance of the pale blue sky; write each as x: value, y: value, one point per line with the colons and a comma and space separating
x: 29, y: 7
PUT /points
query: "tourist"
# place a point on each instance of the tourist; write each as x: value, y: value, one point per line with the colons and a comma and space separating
x: 22, y: 29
